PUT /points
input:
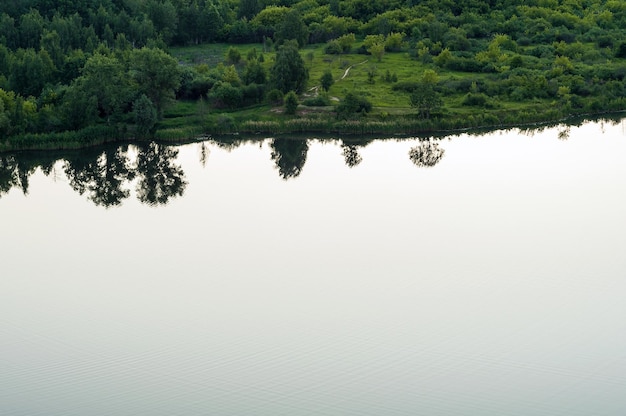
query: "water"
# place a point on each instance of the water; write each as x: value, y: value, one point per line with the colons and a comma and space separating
x: 485, y: 276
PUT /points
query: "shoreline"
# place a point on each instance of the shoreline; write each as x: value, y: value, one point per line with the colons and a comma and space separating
x: 99, y: 135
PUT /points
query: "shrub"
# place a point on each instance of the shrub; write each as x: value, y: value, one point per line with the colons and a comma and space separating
x: 333, y: 48
x: 233, y: 55
x: 326, y: 80
x: 353, y: 104
x: 275, y: 96
x: 291, y: 103
x: 319, y: 101
x: 226, y: 95
x: 476, y: 100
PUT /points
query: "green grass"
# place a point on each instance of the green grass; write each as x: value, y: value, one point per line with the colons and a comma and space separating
x: 391, y: 109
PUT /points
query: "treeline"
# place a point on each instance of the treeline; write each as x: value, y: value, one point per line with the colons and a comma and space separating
x: 455, y: 24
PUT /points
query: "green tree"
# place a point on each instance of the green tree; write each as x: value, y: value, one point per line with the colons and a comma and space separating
x: 254, y: 73
x: 105, y: 79
x: 292, y: 27
x: 156, y: 74
x: 248, y: 9
x: 326, y: 80
x: 289, y: 71
x: 425, y: 97
x: 233, y: 56
x: 377, y: 50
x: 163, y: 15
x: 346, y: 41
x: 145, y: 115
x: 394, y: 41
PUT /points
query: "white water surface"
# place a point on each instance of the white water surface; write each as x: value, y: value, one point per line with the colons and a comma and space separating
x: 492, y: 283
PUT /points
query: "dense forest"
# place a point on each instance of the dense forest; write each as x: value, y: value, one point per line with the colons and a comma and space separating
x: 76, y: 71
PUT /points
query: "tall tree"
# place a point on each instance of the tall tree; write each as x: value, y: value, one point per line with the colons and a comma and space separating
x: 156, y: 75
x: 104, y: 78
x: 289, y: 71
x: 425, y: 97
x: 292, y: 28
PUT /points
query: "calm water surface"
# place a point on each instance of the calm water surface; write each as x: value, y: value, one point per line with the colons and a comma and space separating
x: 483, y: 276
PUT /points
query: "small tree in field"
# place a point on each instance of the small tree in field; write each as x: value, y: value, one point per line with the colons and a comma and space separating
x: 425, y: 97
x: 377, y: 50
x: 291, y: 103
x: 289, y: 72
x: 327, y: 80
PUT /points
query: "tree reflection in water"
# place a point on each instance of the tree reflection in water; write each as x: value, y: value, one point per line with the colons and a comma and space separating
x: 426, y: 154
x: 104, y: 176
x: 351, y: 154
x: 289, y: 156
x: 101, y: 175
x: 159, y: 177
x: 12, y: 175
x: 15, y: 171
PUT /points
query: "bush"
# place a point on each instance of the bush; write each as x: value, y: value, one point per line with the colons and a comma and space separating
x: 326, y: 80
x: 226, y: 95
x: 353, y: 104
x: 233, y: 56
x: 275, y: 97
x: 291, y: 103
x: 333, y: 47
x: 406, y: 86
x: 319, y: 101
x: 476, y: 100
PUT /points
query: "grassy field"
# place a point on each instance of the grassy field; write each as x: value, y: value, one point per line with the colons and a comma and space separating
x: 351, y: 72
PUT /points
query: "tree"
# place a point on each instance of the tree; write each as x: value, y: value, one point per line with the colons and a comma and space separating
x: 425, y: 97
x: 104, y: 79
x: 163, y: 15
x: 248, y: 9
x: 254, y: 73
x: 292, y: 27
x: 377, y: 50
x: 156, y: 75
x: 326, y: 80
x: 233, y: 56
x: 289, y: 71
x: 346, y: 42
x: 291, y: 103
x: 145, y: 115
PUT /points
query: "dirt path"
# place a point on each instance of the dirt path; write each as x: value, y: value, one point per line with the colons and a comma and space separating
x: 345, y: 74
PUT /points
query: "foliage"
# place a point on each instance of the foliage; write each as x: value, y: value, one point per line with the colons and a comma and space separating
x: 292, y: 28
x: 68, y: 65
x: 425, y: 97
x: 145, y: 115
x: 156, y: 75
x: 233, y: 56
x: 326, y: 80
x: 289, y: 72
x: 353, y: 104
x: 291, y: 103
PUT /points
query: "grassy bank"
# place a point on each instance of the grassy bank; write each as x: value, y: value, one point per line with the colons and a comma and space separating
x: 499, y: 99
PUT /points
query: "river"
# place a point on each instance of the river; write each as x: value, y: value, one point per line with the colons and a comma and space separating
x: 469, y: 275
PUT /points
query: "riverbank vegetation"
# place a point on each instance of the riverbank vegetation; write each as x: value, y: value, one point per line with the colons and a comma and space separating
x: 79, y: 73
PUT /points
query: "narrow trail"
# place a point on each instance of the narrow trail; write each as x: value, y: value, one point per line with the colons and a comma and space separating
x: 315, y: 90
x: 345, y: 74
